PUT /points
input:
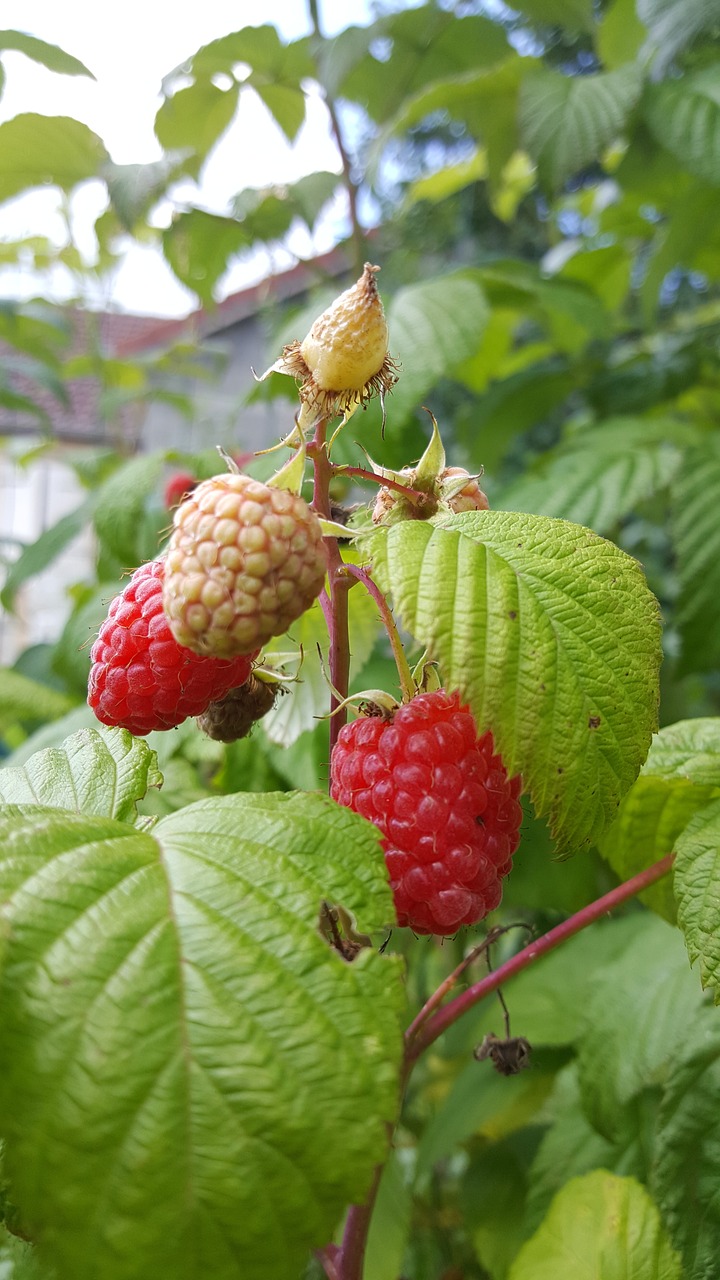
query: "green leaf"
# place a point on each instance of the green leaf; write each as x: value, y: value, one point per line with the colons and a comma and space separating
x: 196, y: 117
x: 567, y: 121
x: 135, y: 188
x: 553, y: 637
x: 48, y: 55
x: 600, y: 1227
x: 606, y: 270
x: 40, y: 151
x: 40, y: 330
x: 37, y: 555
x: 674, y: 24
x: 686, y: 1170
x: 620, y: 34
x: 120, y: 507
x: 277, y: 70
x: 688, y: 750
x: 308, y: 700
x: 181, y: 1047
x: 493, y: 1193
x: 18, y: 1260
x: 696, y: 535
x: 389, y: 1225
x: 24, y: 699
x: 434, y: 326
x: 571, y: 15
x: 601, y: 474
x: 640, y: 1012
x: 199, y: 247
x: 684, y: 116
x: 697, y: 888
x: 448, y: 180
x: 96, y: 771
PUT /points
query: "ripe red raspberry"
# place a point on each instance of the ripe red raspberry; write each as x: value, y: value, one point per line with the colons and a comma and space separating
x: 141, y: 678
x: 178, y: 487
x: 245, y: 560
x: 444, y: 803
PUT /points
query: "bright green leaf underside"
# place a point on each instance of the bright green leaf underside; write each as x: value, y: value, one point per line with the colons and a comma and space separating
x: 553, y: 637
x: 180, y: 1047
x: 697, y: 888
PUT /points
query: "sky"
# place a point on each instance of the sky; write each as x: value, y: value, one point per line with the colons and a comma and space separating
x: 129, y: 48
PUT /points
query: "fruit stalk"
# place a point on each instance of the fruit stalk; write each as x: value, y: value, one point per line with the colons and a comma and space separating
x: 407, y: 683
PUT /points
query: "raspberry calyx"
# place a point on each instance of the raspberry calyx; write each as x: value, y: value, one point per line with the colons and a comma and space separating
x: 141, y: 678
x: 442, y: 798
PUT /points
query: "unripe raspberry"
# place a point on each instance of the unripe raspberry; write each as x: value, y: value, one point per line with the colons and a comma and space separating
x: 444, y: 490
x: 444, y: 803
x: 469, y: 498
x: 232, y: 717
x: 244, y: 561
x: 141, y: 679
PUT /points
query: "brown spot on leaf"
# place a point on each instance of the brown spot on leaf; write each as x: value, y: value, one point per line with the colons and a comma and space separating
x: 594, y: 722
x: 512, y: 614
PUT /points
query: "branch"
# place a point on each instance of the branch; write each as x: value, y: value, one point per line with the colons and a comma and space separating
x: 420, y: 1038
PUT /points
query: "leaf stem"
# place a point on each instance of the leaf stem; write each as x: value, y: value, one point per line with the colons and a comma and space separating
x: 414, y: 496
x: 335, y: 602
x: 420, y: 1037
x: 407, y: 684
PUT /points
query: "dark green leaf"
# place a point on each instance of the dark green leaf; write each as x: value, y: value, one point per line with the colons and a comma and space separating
x: 697, y: 888
x: 684, y: 116
x: 40, y: 151
x: 181, y: 1042
x: 553, y: 637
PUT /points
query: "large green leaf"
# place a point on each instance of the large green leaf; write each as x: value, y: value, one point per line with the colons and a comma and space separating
x: 673, y: 24
x: 686, y: 1169
x: 697, y: 888
x: 567, y: 121
x: 196, y: 117
x: 434, y: 326
x: 553, y: 637
x: 696, y: 535
x: 134, y: 188
x: 48, y: 55
x: 600, y: 475
x: 37, y: 555
x: 25, y: 699
x: 199, y: 247
x: 181, y: 1048
x: 120, y: 506
x: 684, y: 116
x: 600, y: 1227
x: 96, y: 771
x: 40, y: 150
x: 680, y: 776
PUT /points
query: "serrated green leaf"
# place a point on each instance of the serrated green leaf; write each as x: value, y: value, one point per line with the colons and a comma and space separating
x: 601, y: 475
x: 567, y: 121
x: 640, y: 1012
x: 434, y: 326
x: 696, y: 535
x: 199, y: 247
x: 684, y: 116
x: 40, y: 150
x: 96, y: 771
x: 120, y: 506
x: 180, y: 1045
x: 48, y: 55
x: 24, y: 699
x: 553, y: 637
x: 697, y: 889
x: 686, y: 1168
x: 688, y: 749
x: 674, y: 24
x: 599, y: 1227
x: 37, y: 555
x: 307, y: 701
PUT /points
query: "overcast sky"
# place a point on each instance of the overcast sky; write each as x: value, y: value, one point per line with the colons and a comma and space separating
x: 129, y: 47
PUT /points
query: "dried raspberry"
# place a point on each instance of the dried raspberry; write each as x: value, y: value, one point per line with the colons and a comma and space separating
x: 233, y: 716
x: 141, y: 678
x: 245, y: 560
x: 443, y: 801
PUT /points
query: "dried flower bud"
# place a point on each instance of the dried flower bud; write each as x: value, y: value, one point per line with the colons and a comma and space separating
x: 233, y: 716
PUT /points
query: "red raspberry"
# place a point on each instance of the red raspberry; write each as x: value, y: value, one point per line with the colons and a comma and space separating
x: 444, y: 803
x: 141, y: 678
x: 178, y: 487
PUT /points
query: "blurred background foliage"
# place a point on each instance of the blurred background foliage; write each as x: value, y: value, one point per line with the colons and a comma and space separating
x: 540, y: 184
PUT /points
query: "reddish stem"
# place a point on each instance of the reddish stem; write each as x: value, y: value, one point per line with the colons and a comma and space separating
x: 414, y: 496
x: 407, y: 684
x: 419, y: 1038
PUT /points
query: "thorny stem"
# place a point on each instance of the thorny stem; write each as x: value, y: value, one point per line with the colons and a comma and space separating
x: 334, y: 603
x: 358, y: 235
x: 414, y: 496
x: 407, y: 684
x: 419, y: 1039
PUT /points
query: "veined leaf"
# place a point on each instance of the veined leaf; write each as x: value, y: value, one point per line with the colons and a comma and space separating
x: 199, y: 247
x: 553, y: 637
x: 24, y: 699
x: 38, y: 150
x: 599, y: 1227
x: 696, y: 534
x: 567, y: 121
x: 96, y: 771
x: 181, y: 1046
x: 697, y: 888
x: 119, y: 507
x: 674, y: 24
x: 684, y: 116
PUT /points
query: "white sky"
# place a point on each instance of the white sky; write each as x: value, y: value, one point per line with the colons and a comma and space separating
x: 129, y: 47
